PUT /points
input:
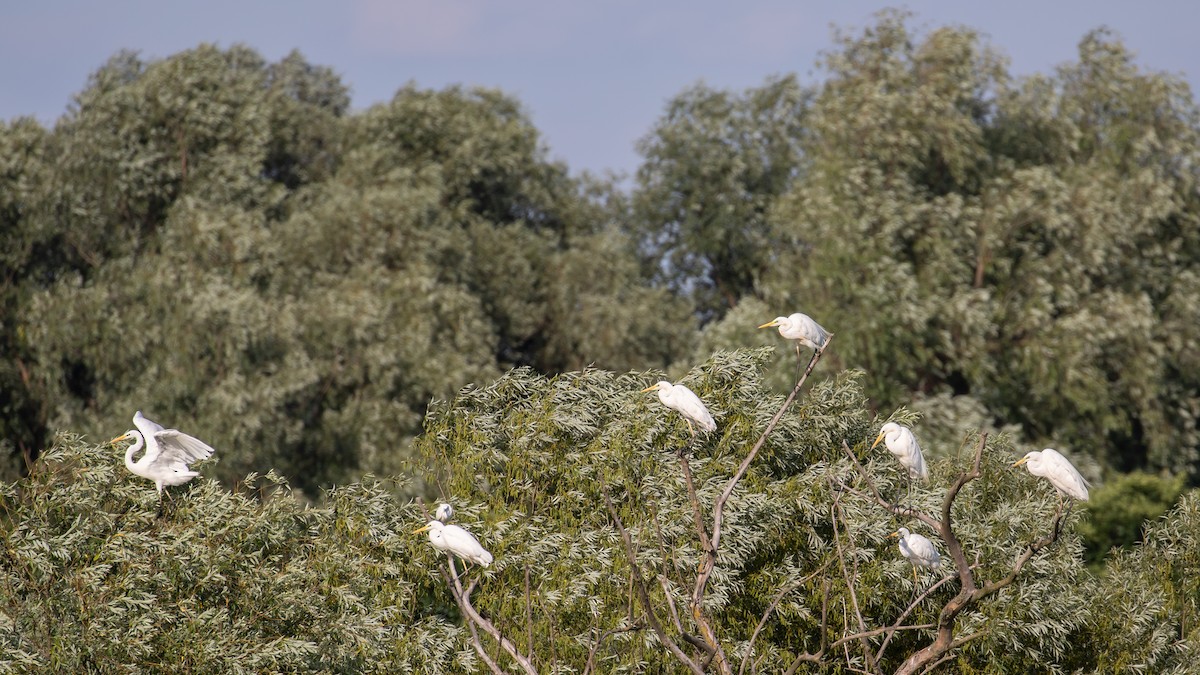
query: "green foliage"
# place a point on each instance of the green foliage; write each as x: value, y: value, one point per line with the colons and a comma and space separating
x: 245, y: 261
x: 545, y: 454
x: 713, y: 165
x: 238, y: 582
x: 252, y: 579
x: 1119, y: 509
x: 1147, y: 605
x: 955, y: 257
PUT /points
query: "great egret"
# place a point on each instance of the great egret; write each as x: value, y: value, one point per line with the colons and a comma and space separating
x: 444, y: 512
x: 918, y: 549
x: 168, y: 453
x: 679, y: 397
x: 901, y: 442
x: 456, y: 540
x: 1051, y: 465
x: 802, y: 329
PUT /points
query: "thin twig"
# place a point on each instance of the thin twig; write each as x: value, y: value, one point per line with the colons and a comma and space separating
x: 771, y: 609
x: 456, y: 590
x: 712, y: 543
x: 643, y: 595
x: 912, y: 606
x: 862, y: 625
x: 591, y: 660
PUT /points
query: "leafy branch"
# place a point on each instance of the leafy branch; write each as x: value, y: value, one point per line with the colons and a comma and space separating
x: 971, y: 592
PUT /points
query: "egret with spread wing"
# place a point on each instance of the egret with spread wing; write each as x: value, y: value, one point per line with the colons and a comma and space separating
x: 1051, y: 465
x: 680, y: 398
x: 168, y: 453
x: 456, y: 540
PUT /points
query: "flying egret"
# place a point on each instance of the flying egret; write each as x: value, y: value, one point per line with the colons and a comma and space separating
x: 444, y: 512
x: 168, y: 453
x: 1051, y: 465
x: 918, y: 549
x: 456, y: 540
x: 802, y: 329
x: 679, y: 397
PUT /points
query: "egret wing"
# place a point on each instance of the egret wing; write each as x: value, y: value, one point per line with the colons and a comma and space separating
x: 924, y: 550
x: 691, y: 406
x: 177, y: 448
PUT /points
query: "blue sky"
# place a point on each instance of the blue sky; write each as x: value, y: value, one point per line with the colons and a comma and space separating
x: 594, y: 76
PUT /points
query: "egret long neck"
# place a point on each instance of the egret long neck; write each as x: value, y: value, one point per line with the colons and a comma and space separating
x: 138, y: 442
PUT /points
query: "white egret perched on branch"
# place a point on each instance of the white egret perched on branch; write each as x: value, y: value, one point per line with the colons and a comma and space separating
x: 902, y: 443
x: 802, y: 329
x: 918, y: 549
x: 679, y: 397
x: 168, y: 453
x: 444, y: 512
x: 456, y: 540
x: 1051, y: 465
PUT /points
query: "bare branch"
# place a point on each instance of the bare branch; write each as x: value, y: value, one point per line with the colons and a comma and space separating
x: 908, y: 610
x: 877, y: 497
x: 450, y: 574
x: 697, y: 510
x: 862, y: 624
x: 771, y: 609
x: 464, y: 603
x: 591, y: 659
x: 711, y: 544
x: 643, y: 595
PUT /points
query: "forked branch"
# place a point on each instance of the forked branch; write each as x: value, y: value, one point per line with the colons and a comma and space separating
x: 970, y: 593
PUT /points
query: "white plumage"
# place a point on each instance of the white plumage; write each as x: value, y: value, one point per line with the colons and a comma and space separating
x: 444, y: 512
x: 680, y: 398
x: 918, y: 549
x: 802, y: 329
x: 168, y: 453
x: 456, y: 540
x: 902, y: 443
x: 1051, y: 465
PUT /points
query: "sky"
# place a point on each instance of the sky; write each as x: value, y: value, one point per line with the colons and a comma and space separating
x: 593, y: 76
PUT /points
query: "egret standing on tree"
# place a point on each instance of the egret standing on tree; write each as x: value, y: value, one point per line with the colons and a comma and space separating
x: 456, y: 540
x: 902, y: 443
x: 679, y: 397
x: 168, y: 453
x: 918, y: 549
x: 1051, y: 465
x: 802, y: 329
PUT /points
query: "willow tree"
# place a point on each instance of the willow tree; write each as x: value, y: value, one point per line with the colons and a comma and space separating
x: 623, y: 542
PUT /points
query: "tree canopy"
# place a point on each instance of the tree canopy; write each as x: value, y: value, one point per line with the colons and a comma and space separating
x: 364, y: 311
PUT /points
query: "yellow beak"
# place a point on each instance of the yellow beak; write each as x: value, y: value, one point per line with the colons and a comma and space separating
x: 769, y: 324
x: 1021, y: 461
x: 118, y: 439
x: 650, y: 388
x: 877, y: 439
x: 894, y: 535
x: 420, y: 529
